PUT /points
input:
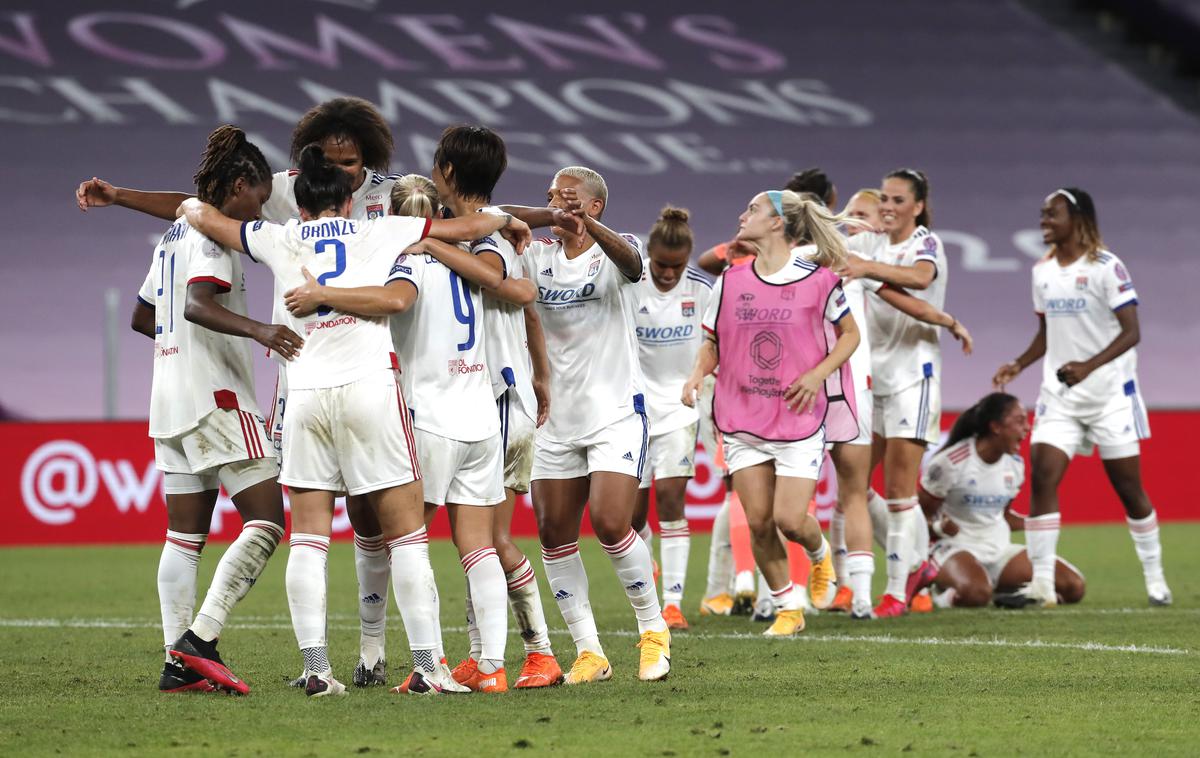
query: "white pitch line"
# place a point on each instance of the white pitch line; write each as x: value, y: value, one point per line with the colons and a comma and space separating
x: 870, y: 639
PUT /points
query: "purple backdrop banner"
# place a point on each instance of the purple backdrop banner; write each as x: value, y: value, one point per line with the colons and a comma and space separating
x: 698, y: 105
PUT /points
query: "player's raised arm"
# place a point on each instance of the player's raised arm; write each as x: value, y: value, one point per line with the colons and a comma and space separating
x: 616, y: 247
x: 927, y: 312
x: 97, y: 193
x: 916, y: 277
x: 539, y: 217
x: 479, y: 225
x: 470, y: 267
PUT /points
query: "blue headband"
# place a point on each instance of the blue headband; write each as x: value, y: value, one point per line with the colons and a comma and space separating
x: 776, y: 198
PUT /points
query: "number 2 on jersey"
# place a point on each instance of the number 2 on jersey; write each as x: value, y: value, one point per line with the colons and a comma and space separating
x: 464, y: 309
x: 339, y: 266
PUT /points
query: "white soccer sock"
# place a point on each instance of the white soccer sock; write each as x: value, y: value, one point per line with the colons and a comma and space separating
x: 647, y: 535
x: 676, y: 544
x: 236, y: 573
x: 177, y: 569
x: 473, y: 637
x: 631, y: 559
x: 837, y: 538
x: 860, y: 565
x: 1147, y: 545
x: 1041, y: 543
x: 306, y: 592
x: 416, y: 594
x: 920, y: 539
x: 899, y: 544
x: 786, y: 598
x: 878, y: 510
x: 720, y: 555
x: 371, y: 567
x: 569, y: 583
x: 818, y: 555
x: 764, y: 589
x: 526, y: 602
x: 489, y: 597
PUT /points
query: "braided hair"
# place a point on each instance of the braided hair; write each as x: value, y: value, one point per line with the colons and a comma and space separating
x: 228, y: 156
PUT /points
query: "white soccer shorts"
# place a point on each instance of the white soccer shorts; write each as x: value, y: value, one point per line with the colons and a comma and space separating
x: 671, y: 455
x: 278, y: 406
x: 462, y: 473
x: 619, y: 447
x: 800, y: 459
x: 224, y: 436
x: 517, y: 428
x: 357, y: 438
x: 236, y: 477
x: 914, y: 412
x: 1115, y: 427
x: 992, y: 556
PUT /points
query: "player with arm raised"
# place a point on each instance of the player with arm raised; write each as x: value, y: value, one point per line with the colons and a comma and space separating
x: 348, y: 428
x: 204, y: 418
x: 355, y: 138
x: 669, y: 300
x: 1087, y: 328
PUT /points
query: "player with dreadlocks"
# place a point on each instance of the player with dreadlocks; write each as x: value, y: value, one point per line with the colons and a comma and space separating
x: 355, y: 138
x: 204, y: 418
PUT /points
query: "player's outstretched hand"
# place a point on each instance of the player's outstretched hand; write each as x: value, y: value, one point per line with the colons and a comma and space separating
x: 279, y: 338
x: 801, y: 396
x: 691, y: 391
x: 1006, y: 374
x: 95, y: 193
x: 961, y: 334
x: 855, y: 268
x: 541, y: 391
x: 305, y: 299
x: 518, y: 233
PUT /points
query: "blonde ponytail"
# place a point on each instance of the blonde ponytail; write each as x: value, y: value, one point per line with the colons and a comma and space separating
x: 810, y: 221
x: 415, y: 195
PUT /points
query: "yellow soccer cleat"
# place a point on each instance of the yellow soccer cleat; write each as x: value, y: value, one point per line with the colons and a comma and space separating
x: 822, y: 581
x: 656, y: 656
x: 786, y: 624
x: 717, y: 605
x: 588, y: 667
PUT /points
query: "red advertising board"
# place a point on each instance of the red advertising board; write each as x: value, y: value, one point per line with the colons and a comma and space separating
x: 66, y: 483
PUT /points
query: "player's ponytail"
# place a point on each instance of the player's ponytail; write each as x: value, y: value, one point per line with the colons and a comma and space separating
x: 806, y: 220
x: 977, y: 420
x: 320, y: 186
x: 671, y: 231
x: 415, y: 195
x: 228, y: 156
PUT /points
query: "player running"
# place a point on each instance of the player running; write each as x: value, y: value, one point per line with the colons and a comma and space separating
x: 906, y: 369
x: 354, y: 137
x: 1087, y: 328
x: 967, y: 490
x: 348, y: 427
x: 204, y: 418
x: 669, y: 302
x: 767, y: 320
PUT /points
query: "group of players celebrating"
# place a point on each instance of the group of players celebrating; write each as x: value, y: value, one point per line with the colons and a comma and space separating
x: 433, y: 353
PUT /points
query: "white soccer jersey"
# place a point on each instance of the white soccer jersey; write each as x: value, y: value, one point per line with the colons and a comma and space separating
x: 442, y: 344
x: 586, y: 307
x: 508, y: 345
x: 196, y: 370
x: 904, y: 350
x: 669, y: 335
x: 339, y: 348
x: 974, y: 493
x: 1079, y: 303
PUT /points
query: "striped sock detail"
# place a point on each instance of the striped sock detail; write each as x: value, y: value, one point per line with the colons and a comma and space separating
x: 901, y: 504
x: 1144, y: 525
x: 622, y: 545
x: 193, y: 543
x: 369, y: 544
x: 520, y: 576
x: 314, y: 541
x: 1046, y: 523
x: 472, y: 559
x: 270, y: 527
x: 670, y: 533
x: 418, y: 537
x: 782, y: 594
x: 560, y: 552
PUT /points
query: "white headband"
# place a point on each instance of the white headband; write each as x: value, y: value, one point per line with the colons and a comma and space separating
x: 1070, y: 198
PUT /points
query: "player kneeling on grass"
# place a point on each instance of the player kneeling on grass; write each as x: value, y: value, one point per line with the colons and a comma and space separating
x: 347, y: 428
x: 204, y: 419
x: 767, y: 320
x: 967, y: 490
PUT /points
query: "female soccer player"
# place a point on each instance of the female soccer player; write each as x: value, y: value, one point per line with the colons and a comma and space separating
x: 1087, y: 329
x: 669, y: 302
x: 767, y: 320
x: 354, y: 137
x: 906, y: 368
x: 348, y: 428
x: 204, y: 418
x: 966, y: 490
x: 593, y: 446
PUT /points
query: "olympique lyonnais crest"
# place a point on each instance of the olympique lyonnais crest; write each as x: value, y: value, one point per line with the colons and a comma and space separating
x: 375, y: 211
x: 1008, y: 481
x: 688, y: 308
x: 787, y: 293
x: 594, y: 266
x: 1081, y: 282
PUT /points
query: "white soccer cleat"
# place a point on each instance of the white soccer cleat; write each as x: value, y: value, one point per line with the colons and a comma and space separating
x: 321, y: 685
x: 1036, y: 594
x: 1159, y: 593
x: 446, y: 682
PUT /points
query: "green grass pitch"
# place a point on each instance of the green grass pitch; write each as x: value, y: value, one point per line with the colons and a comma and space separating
x: 80, y: 657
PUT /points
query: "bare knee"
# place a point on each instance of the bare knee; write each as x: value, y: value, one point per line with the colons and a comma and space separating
x: 1071, y: 588
x: 973, y: 596
x: 609, y: 528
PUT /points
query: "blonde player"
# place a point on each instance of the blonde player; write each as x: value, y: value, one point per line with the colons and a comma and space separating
x: 593, y: 446
x: 348, y: 428
x: 906, y: 369
x: 204, y: 418
x: 669, y: 302
x: 1087, y: 328
x: 355, y: 138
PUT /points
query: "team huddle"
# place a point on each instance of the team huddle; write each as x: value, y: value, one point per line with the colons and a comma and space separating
x: 433, y: 353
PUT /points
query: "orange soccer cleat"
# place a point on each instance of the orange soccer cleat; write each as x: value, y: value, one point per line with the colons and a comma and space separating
x: 921, y: 602
x: 540, y: 670
x: 465, y: 671
x: 842, y: 601
x: 674, y: 617
x: 497, y: 681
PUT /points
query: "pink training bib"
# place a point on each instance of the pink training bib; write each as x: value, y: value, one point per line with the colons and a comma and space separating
x: 768, y: 335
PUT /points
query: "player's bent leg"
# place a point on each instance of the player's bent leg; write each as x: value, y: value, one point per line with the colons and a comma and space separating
x: 965, y: 580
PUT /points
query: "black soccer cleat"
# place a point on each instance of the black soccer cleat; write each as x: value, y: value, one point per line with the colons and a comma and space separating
x: 176, y: 678
x: 202, y: 658
x: 370, y: 677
